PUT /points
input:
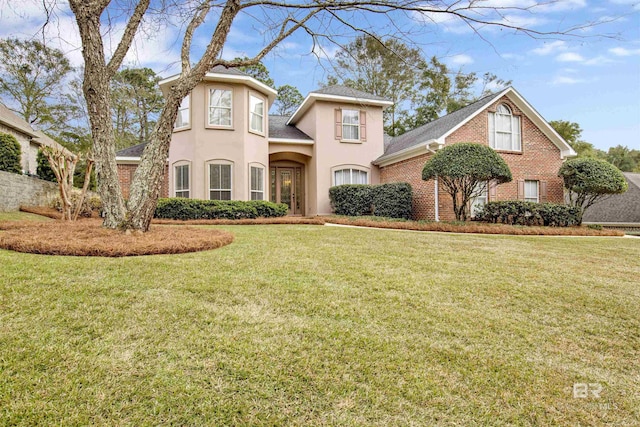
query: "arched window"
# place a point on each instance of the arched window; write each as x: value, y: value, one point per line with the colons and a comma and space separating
x: 504, y: 130
x: 350, y: 176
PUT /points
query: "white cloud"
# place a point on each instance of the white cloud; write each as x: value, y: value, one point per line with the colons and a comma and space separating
x: 570, y: 57
x: 633, y: 3
x: 549, y: 48
x: 560, y: 5
x: 621, y: 51
x: 599, y: 60
x: 325, y: 52
x: 460, y: 60
x: 567, y: 80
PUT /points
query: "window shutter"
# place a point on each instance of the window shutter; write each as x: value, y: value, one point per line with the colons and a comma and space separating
x: 338, y: 114
x: 493, y: 191
x: 521, y: 189
x: 363, y: 126
x: 543, y: 191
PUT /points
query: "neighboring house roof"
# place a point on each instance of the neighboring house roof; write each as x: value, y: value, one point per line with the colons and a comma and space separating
x: 12, y: 120
x: 134, y: 151
x: 279, y: 130
x: 220, y: 73
x: 433, y: 135
x: 44, y: 139
x: 619, y: 208
x: 341, y: 94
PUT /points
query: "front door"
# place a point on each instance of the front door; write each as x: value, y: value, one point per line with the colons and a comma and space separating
x: 286, y: 187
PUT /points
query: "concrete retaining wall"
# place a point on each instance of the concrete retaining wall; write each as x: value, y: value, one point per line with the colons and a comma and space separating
x: 16, y: 190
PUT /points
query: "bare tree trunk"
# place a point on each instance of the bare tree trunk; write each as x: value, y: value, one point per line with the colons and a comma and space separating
x: 85, y: 187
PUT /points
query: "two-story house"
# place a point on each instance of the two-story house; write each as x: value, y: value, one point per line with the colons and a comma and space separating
x: 226, y: 147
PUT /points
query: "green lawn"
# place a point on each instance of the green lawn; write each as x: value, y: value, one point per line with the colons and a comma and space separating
x: 319, y: 325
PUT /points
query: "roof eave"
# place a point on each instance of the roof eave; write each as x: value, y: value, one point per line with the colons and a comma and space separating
x: 408, y: 153
x: 313, y: 97
x: 229, y: 78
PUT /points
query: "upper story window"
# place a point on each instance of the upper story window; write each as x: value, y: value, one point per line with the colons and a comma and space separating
x: 351, y: 125
x: 257, y: 182
x: 220, y: 107
x: 182, y: 181
x: 219, y: 181
x: 256, y: 114
x: 350, y: 176
x: 183, y: 120
x: 504, y: 130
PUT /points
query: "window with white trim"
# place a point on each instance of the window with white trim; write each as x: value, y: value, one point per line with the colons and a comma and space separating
x: 256, y: 179
x: 350, y: 176
x: 220, y: 181
x: 182, y: 181
x: 504, y: 130
x: 220, y: 107
x: 481, y: 192
x: 351, y: 125
x: 256, y: 114
x: 183, y: 120
x: 531, y: 191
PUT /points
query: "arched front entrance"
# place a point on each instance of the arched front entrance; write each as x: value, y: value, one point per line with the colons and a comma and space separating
x: 288, y: 183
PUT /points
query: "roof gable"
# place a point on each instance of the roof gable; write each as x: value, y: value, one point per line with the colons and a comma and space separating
x: 338, y: 93
x: 438, y: 130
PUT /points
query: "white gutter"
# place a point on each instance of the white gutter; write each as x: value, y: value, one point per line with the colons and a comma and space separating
x: 291, y: 141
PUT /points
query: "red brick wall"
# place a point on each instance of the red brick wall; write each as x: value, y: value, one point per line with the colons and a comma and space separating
x: 539, y: 160
x: 125, y: 176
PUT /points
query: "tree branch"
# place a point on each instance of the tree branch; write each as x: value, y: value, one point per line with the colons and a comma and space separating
x: 127, y: 38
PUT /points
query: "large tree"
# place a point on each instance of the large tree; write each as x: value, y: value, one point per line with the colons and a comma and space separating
x: 280, y: 18
x: 32, y: 77
x: 420, y: 89
x: 289, y: 98
x: 136, y: 102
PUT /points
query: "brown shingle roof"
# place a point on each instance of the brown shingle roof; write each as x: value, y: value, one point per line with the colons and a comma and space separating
x: 618, y: 208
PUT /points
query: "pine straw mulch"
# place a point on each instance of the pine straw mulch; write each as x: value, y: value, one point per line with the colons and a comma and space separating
x: 88, y: 238
x: 257, y: 221
x: 473, y: 227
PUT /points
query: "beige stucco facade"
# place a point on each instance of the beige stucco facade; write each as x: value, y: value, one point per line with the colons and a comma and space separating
x: 296, y: 170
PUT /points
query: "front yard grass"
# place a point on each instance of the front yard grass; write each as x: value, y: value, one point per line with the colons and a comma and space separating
x: 313, y: 325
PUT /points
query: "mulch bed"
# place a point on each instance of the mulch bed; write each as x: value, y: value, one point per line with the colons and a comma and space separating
x: 256, y: 221
x: 88, y: 238
x: 480, y: 228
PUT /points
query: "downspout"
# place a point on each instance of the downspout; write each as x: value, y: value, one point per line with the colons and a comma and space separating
x: 435, y: 189
x: 436, y: 201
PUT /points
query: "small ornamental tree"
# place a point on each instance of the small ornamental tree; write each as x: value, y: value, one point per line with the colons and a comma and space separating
x: 10, y: 159
x: 464, y: 170
x: 589, y: 180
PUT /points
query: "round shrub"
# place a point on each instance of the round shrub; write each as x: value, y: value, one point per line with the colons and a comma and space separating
x: 10, y: 157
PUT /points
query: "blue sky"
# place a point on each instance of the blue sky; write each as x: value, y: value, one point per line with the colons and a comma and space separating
x: 592, y: 78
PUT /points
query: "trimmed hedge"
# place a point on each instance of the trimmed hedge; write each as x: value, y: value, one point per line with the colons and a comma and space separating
x: 189, y: 209
x: 517, y: 212
x: 386, y: 200
x: 10, y: 154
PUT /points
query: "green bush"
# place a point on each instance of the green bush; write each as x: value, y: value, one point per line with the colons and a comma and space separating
x: 517, y: 212
x: 392, y: 200
x: 351, y: 199
x: 10, y: 157
x: 595, y: 226
x: 188, y: 209
x: 44, y: 170
x: 386, y: 200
